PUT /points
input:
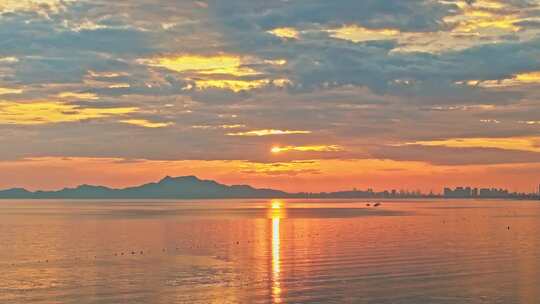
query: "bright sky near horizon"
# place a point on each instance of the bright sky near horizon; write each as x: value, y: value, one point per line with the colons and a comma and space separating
x: 298, y: 95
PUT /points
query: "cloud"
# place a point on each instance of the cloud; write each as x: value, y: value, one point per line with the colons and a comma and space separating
x: 9, y: 59
x: 531, y: 144
x: 146, y: 124
x: 456, y: 156
x: 365, y: 75
x: 5, y: 91
x: 268, y: 132
x: 209, y: 127
x: 42, y: 6
x: 286, y: 168
x: 227, y: 72
x: 45, y: 112
x: 357, y: 34
x: 76, y: 95
x: 414, y: 14
x: 233, y: 85
x: 318, y: 148
x: 220, y: 64
x: 519, y: 79
x: 285, y: 33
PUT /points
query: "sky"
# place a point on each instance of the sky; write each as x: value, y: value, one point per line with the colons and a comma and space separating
x: 296, y: 95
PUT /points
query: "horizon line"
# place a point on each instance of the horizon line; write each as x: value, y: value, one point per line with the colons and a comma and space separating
x: 399, y: 191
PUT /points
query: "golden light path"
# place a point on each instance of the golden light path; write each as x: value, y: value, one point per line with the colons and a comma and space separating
x: 276, y: 214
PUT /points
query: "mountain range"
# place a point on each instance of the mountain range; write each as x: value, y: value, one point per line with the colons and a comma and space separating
x: 189, y: 187
x: 184, y: 187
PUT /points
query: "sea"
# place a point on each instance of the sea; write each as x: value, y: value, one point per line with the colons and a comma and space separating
x: 269, y: 251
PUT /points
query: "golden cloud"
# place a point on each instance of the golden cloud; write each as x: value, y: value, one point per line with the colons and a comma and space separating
x: 208, y: 127
x: 473, y: 23
x: 5, y: 91
x: 282, y: 168
x: 229, y: 72
x: 33, y: 5
x: 233, y: 85
x: 276, y: 62
x: 285, y: 33
x: 239, y: 85
x: 75, y: 95
x: 529, y: 122
x: 9, y: 59
x: 106, y: 74
x: 119, y: 86
x: 516, y: 80
x: 267, y: 132
x: 45, y: 112
x: 484, y: 15
x: 317, y: 148
x: 220, y: 64
x: 146, y: 124
x: 531, y: 144
x: 357, y: 33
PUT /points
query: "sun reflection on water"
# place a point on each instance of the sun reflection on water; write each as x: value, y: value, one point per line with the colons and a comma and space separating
x: 277, y: 212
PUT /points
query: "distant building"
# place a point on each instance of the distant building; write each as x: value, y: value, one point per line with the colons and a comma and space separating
x: 468, y: 192
x: 459, y: 192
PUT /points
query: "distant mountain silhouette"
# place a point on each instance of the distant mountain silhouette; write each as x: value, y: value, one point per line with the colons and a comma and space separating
x: 191, y: 187
x: 185, y: 187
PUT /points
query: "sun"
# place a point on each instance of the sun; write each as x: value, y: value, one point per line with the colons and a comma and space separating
x: 275, y: 150
x: 277, y: 204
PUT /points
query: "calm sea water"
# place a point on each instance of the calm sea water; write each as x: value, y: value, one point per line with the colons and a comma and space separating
x: 264, y: 251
